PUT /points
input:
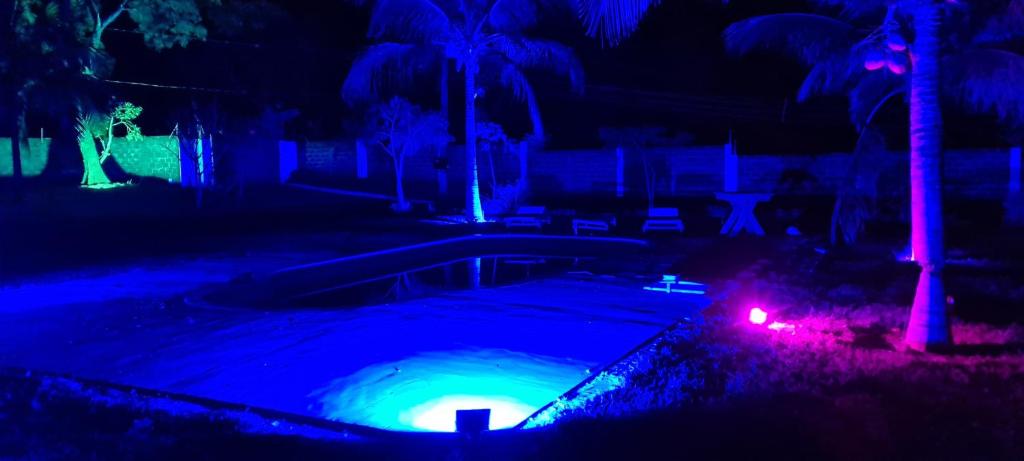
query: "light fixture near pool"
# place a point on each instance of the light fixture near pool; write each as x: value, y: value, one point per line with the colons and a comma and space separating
x: 472, y: 421
x: 673, y: 284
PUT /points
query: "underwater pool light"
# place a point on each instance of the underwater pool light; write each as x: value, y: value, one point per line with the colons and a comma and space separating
x: 437, y: 391
x: 472, y: 421
x: 462, y: 413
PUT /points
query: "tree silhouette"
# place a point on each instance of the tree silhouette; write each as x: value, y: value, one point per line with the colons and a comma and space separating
x: 401, y: 130
x: 486, y: 40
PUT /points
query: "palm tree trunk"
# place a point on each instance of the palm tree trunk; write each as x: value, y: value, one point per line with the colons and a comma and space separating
x: 444, y: 88
x: 929, y: 325
x: 524, y: 170
x: 535, y: 121
x: 474, y: 209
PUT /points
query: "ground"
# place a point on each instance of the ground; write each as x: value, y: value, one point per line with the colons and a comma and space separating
x: 832, y: 383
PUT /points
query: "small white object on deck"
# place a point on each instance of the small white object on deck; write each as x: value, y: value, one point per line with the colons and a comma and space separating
x: 672, y: 284
x: 595, y: 224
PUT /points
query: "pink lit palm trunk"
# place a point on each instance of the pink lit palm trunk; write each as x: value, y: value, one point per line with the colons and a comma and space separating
x: 474, y: 209
x: 929, y: 325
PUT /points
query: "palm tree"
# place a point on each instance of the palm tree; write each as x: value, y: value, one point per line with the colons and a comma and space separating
x: 614, y: 20
x: 913, y: 41
x: 485, y: 39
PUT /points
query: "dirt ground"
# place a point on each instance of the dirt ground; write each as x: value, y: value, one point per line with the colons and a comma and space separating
x: 833, y: 381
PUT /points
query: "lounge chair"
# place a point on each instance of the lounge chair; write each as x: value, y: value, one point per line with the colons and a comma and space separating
x: 528, y: 216
x: 593, y: 224
x: 663, y: 219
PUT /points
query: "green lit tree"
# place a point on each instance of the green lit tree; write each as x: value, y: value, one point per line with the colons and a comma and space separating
x: 163, y: 24
x: 101, y: 128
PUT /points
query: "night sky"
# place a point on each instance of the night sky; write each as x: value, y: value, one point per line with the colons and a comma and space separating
x: 672, y: 73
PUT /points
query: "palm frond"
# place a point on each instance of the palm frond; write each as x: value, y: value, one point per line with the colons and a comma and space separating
x: 613, y: 20
x: 387, y: 64
x: 1004, y: 27
x: 871, y: 92
x: 856, y: 9
x: 809, y: 37
x: 541, y: 54
x: 511, y: 15
x: 511, y: 77
x: 987, y: 81
x: 411, y: 20
x: 830, y: 75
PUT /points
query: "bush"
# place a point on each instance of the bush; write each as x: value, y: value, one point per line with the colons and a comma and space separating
x: 503, y: 201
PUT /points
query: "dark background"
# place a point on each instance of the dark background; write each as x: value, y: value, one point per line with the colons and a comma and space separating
x: 673, y: 73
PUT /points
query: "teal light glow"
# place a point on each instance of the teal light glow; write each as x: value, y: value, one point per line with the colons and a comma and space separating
x: 423, y: 392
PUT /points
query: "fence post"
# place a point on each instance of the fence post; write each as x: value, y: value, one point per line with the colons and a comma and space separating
x: 1015, y: 179
x: 620, y: 173
x: 731, y: 168
x: 1014, y: 204
x: 524, y: 169
x: 361, y: 162
x: 288, y: 154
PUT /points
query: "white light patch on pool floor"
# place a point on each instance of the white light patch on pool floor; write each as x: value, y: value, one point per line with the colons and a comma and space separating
x: 423, y: 392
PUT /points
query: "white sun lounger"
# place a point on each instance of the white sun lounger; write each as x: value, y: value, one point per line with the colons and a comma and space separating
x: 663, y: 219
x: 592, y: 224
x: 528, y: 217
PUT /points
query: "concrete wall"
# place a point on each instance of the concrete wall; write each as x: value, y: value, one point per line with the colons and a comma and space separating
x: 682, y: 171
x: 151, y: 157
x: 32, y: 161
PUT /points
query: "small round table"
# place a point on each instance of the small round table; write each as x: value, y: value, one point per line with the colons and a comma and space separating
x: 742, y: 216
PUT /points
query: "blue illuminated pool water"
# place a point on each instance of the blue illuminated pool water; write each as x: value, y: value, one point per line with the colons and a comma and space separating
x: 465, y: 274
x: 509, y: 333
x: 423, y: 391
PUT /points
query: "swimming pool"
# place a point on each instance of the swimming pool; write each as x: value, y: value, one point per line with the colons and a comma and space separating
x: 297, y: 286
x: 545, y: 314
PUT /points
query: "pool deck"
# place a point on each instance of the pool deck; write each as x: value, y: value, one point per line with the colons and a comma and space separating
x: 119, y: 327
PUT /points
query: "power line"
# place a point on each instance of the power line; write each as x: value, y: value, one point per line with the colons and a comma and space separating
x: 206, y: 40
x: 175, y: 87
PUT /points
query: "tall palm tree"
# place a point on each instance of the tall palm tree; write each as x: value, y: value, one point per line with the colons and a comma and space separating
x: 486, y: 40
x: 913, y: 43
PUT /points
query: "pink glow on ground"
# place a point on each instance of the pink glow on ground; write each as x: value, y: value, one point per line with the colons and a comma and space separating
x: 782, y: 326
